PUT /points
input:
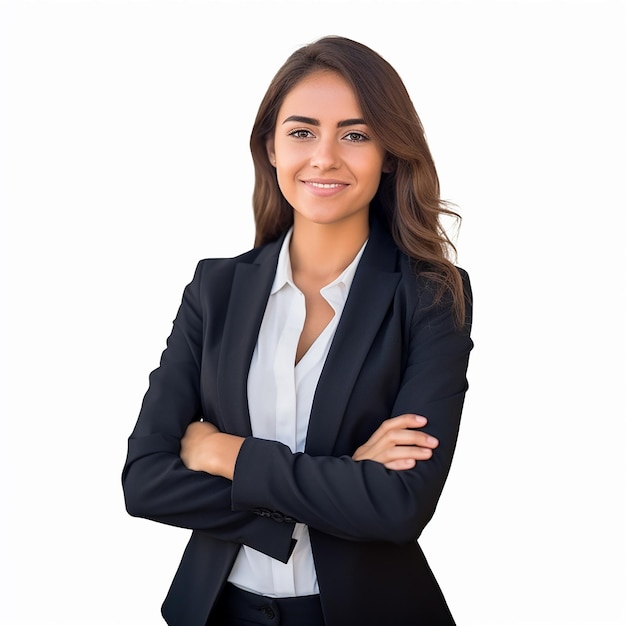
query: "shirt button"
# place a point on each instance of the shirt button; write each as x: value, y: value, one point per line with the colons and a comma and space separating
x: 268, y: 612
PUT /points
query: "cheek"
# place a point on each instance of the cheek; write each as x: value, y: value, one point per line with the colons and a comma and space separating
x: 286, y: 182
x: 371, y: 165
x: 287, y: 165
x: 373, y: 175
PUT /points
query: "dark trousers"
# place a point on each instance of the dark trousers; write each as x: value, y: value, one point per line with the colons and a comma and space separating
x: 236, y: 607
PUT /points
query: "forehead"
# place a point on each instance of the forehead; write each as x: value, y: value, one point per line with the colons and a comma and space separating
x: 321, y: 93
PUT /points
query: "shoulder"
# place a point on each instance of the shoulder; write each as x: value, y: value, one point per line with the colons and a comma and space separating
x: 430, y: 298
x: 422, y: 279
x: 414, y: 275
x: 420, y: 286
x: 210, y: 268
x: 215, y: 271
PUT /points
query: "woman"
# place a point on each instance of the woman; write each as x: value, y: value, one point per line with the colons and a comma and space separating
x: 303, y: 418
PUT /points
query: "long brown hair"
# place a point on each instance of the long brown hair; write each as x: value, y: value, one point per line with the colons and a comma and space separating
x: 408, y: 198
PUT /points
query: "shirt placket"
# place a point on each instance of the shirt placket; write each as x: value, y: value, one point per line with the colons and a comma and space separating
x: 284, y: 364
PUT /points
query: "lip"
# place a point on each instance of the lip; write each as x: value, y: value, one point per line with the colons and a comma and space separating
x: 324, y: 187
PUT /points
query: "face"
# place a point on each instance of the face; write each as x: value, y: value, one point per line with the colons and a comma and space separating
x: 327, y: 161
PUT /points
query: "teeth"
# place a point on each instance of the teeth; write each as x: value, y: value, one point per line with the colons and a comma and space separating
x: 325, y: 185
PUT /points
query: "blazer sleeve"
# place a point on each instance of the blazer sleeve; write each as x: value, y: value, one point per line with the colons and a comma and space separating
x: 156, y: 483
x: 363, y: 501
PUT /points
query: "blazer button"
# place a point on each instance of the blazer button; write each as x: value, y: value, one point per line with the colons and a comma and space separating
x: 268, y: 612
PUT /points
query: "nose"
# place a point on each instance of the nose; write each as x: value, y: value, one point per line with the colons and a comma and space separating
x: 325, y: 156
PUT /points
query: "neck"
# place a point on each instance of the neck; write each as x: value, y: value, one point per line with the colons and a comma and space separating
x: 322, y: 251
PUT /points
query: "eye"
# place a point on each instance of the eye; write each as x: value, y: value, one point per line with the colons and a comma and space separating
x: 300, y: 133
x: 356, y: 137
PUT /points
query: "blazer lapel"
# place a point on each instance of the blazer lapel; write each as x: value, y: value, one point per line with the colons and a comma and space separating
x: 370, y: 295
x: 252, y: 283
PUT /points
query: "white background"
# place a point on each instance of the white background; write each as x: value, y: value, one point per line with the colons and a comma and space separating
x: 123, y: 144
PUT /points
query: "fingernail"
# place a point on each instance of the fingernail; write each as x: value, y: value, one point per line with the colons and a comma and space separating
x: 420, y: 419
x: 432, y: 440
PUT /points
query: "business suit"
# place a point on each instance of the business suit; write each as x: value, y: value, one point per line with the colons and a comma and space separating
x: 393, y: 353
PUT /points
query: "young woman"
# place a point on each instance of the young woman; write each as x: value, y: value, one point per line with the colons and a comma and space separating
x: 304, y: 415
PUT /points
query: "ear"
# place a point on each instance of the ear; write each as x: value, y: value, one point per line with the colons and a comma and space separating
x: 269, y: 147
x: 389, y: 164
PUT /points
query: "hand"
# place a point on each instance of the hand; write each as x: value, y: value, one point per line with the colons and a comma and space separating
x: 194, y: 446
x: 397, y: 444
x: 204, y: 448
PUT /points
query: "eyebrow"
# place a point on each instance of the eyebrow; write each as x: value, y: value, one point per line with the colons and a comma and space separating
x: 314, y: 122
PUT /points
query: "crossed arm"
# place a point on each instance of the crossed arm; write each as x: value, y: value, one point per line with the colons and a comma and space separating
x: 337, y: 495
x: 397, y: 444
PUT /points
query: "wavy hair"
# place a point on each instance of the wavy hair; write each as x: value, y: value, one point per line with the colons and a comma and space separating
x: 408, y: 198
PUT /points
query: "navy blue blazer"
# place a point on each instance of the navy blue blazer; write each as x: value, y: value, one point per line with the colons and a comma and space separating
x: 394, y: 352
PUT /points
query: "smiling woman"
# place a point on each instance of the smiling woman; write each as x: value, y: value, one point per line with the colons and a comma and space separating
x: 304, y: 415
x: 328, y: 163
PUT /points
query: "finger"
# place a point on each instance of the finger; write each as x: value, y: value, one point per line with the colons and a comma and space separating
x: 398, y: 444
x: 402, y: 464
x: 414, y: 453
x: 407, y: 437
x: 407, y: 420
x: 399, y: 437
x: 407, y: 462
x: 400, y: 453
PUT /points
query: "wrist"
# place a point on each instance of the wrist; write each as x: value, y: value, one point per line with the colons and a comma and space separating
x: 224, y: 452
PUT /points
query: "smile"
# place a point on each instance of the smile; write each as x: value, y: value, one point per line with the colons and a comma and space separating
x: 325, y: 185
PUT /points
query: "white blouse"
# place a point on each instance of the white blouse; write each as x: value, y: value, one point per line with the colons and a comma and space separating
x: 279, y: 399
